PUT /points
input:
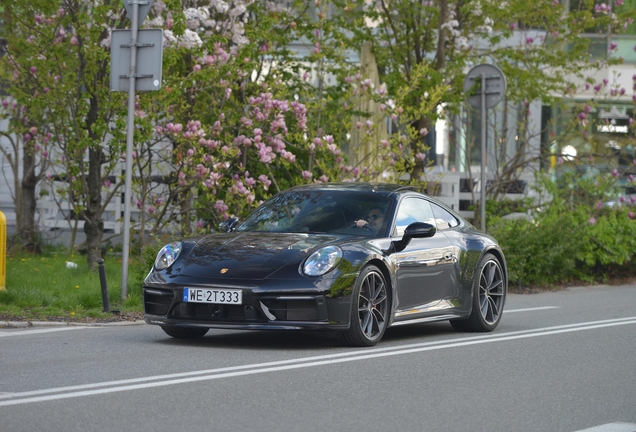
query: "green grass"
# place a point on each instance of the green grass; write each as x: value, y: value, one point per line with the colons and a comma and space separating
x: 41, y: 287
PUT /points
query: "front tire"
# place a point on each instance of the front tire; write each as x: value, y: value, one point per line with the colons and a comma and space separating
x: 489, y: 296
x: 369, y: 309
x: 185, y: 332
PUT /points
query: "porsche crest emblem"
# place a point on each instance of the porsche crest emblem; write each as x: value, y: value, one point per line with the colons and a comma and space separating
x: 224, y: 270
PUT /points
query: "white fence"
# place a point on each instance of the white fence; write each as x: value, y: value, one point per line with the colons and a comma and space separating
x: 453, y: 189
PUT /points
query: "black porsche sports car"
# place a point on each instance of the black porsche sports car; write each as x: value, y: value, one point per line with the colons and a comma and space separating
x: 351, y: 258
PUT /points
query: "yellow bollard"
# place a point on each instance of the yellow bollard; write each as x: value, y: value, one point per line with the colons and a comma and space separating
x: 3, y: 251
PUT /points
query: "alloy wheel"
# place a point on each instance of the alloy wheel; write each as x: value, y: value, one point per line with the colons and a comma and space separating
x: 373, y: 305
x: 491, y: 292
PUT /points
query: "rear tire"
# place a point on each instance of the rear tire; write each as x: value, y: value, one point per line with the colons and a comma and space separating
x: 489, y: 296
x: 369, y: 309
x: 185, y: 332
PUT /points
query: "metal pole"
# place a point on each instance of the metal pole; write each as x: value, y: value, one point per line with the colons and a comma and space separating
x: 102, y: 282
x: 129, y: 146
x: 483, y: 153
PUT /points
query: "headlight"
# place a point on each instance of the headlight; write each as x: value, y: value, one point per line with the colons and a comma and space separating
x: 321, y: 261
x: 167, y: 255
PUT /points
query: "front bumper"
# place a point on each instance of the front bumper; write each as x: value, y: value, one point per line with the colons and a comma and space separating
x: 259, y: 311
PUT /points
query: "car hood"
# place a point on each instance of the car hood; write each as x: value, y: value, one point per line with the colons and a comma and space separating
x: 252, y: 255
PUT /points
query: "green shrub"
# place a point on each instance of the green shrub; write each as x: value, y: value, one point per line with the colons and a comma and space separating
x: 572, y: 236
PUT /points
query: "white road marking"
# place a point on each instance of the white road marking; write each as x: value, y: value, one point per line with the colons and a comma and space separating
x: 612, y: 427
x: 530, y: 309
x: 64, y: 328
x: 259, y: 368
x: 39, y: 331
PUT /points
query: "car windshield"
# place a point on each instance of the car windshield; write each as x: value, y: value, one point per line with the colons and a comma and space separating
x: 321, y: 211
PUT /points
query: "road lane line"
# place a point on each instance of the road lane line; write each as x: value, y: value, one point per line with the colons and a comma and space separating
x: 612, y: 427
x: 40, y: 331
x: 530, y: 309
x: 230, y: 372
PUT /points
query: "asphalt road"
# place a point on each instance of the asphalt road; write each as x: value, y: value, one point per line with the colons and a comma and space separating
x: 563, y: 361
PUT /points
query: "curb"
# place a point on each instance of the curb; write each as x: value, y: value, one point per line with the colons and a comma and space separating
x: 25, y: 324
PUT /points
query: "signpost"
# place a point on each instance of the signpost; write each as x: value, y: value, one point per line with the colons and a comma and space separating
x: 486, y: 86
x: 124, y: 76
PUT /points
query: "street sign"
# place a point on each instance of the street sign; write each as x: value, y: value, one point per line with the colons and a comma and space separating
x: 144, y: 8
x: 149, y: 59
x: 495, y: 85
x: 485, y: 85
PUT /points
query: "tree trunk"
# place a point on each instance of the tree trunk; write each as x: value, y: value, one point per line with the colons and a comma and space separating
x: 186, y: 211
x: 93, y: 221
x: 26, y: 221
x: 416, y: 146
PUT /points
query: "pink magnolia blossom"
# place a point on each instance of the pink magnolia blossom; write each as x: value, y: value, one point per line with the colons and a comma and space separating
x: 220, y: 206
x: 265, y: 181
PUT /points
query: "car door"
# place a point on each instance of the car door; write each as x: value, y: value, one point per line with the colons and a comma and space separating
x: 426, y: 266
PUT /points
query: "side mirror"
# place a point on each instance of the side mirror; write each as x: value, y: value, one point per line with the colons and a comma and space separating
x: 419, y: 230
x: 229, y: 224
x: 415, y: 230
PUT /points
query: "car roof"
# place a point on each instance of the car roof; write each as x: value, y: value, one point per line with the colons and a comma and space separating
x: 381, y: 188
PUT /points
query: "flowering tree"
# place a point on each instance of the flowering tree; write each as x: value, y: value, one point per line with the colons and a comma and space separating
x: 28, y: 140
x: 425, y: 48
x: 69, y: 120
x: 232, y: 124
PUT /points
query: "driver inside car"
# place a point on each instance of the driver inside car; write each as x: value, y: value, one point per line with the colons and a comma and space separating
x: 375, y: 219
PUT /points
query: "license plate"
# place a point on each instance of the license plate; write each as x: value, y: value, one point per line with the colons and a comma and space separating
x: 216, y: 296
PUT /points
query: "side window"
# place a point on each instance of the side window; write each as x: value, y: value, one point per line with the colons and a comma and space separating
x: 443, y: 218
x: 412, y: 210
